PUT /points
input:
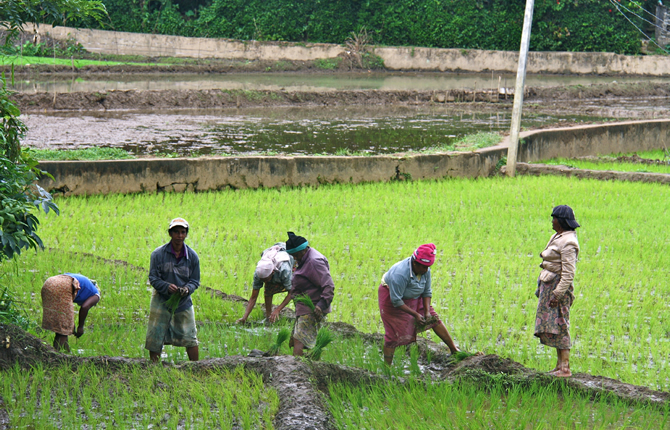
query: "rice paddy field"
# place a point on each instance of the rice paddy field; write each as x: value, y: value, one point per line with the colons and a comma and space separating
x: 661, y: 162
x: 488, y: 232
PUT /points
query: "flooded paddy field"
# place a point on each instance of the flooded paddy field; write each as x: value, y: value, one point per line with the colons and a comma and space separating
x: 60, y: 83
x: 288, y: 130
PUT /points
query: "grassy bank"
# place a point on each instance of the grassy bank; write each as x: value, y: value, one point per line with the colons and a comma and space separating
x: 619, y: 162
x: 488, y: 232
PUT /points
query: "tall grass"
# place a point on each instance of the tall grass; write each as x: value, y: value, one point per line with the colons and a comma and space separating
x: 488, y: 232
x: 466, y: 406
x: 153, y: 397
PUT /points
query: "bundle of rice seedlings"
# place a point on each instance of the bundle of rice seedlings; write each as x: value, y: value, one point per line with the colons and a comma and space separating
x: 305, y: 300
x: 461, y: 355
x: 427, y: 322
x: 173, y: 302
x: 323, y: 338
x: 282, y: 336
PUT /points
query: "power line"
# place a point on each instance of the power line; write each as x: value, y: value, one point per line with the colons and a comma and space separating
x: 649, y: 39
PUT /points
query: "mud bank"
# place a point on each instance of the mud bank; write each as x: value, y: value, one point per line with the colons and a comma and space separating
x: 601, y: 175
x: 651, y: 93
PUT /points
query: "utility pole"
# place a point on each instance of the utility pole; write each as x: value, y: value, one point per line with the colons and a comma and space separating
x: 518, y: 91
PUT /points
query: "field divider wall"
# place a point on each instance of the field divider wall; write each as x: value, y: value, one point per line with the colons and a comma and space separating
x: 216, y: 173
x: 395, y: 58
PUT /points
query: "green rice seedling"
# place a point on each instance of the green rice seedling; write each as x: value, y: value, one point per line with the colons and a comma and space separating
x: 282, y: 337
x: 426, y: 323
x: 173, y: 302
x: 305, y: 300
x: 489, y: 233
x: 323, y: 338
x: 461, y: 355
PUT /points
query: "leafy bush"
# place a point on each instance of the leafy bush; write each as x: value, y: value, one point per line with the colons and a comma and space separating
x: 568, y: 25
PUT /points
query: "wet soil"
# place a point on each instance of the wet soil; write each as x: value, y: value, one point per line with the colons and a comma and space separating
x: 4, y: 416
x: 553, y: 98
x: 634, y: 159
x: 602, y: 175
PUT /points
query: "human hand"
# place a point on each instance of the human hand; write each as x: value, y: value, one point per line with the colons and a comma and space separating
x: 427, y: 315
x: 420, y: 318
x: 318, y: 313
x: 274, y: 316
x: 241, y: 321
x: 183, y: 291
x: 173, y: 289
x: 79, y: 332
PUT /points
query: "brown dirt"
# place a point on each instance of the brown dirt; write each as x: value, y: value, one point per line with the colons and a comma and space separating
x: 603, y: 175
x: 612, y: 100
x: 635, y: 159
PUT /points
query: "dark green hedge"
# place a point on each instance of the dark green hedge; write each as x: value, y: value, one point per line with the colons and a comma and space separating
x: 558, y: 25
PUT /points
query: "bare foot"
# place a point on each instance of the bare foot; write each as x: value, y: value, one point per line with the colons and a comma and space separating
x: 562, y: 373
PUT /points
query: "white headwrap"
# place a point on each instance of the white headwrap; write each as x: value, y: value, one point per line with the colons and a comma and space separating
x: 272, y: 259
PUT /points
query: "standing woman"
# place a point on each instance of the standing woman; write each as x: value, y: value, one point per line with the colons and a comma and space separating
x: 312, y: 279
x: 274, y: 271
x: 555, y: 288
x: 59, y: 294
x: 404, y: 297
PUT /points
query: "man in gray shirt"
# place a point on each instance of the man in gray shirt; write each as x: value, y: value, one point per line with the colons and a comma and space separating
x: 174, y: 273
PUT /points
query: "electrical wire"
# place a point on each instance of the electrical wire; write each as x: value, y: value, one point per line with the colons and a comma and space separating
x: 649, y: 39
x: 643, y: 19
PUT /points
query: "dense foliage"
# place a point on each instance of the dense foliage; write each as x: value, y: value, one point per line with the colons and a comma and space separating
x: 559, y: 25
x: 19, y: 195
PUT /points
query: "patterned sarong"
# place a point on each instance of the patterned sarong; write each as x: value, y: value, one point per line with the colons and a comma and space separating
x: 552, y: 325
x: 167, y: 329
x: 305, y: 330
x: 58, y: 293
x: 399, y: 326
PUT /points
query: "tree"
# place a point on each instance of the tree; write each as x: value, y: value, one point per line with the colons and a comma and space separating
x: 20, y: 195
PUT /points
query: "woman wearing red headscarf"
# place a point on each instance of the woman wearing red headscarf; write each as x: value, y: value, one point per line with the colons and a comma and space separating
x: 404, y: 298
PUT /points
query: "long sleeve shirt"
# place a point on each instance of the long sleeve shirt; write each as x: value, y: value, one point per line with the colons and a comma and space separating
x: 165, y: 269
x: 560, y: 258
x: 312, y: 278
x: 404, y: 284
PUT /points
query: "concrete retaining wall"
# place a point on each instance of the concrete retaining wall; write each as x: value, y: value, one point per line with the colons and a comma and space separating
x: 395, y: 58
x: 201, y: 174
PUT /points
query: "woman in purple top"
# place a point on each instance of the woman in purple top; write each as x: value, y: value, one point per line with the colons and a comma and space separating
x: 312, y: 279
x: 59, y: 294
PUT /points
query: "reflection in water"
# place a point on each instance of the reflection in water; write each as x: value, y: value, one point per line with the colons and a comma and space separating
x: 308, y: 81
x: 374, y: 130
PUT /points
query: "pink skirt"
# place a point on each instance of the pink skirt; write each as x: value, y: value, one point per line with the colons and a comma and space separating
x: 399, y: 326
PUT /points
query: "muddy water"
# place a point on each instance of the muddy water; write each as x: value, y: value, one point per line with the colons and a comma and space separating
x: 306, y: 81
x: 374, y: 130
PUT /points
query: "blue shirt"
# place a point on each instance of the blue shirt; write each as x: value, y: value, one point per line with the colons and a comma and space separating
x: 87, y: 289
x: 404, y: 284
x: 166, y: 269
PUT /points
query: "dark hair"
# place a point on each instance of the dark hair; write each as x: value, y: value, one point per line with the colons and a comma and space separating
x: 564, y: 224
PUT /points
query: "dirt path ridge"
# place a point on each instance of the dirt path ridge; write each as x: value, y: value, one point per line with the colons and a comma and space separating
x: 602, y: 175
